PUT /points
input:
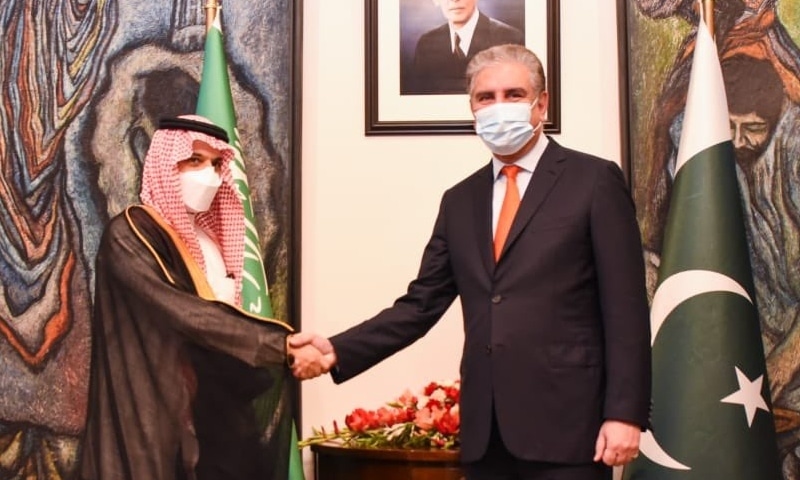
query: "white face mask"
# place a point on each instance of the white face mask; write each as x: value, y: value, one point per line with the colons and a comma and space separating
x: 505, y: 127
x: 199, y: 187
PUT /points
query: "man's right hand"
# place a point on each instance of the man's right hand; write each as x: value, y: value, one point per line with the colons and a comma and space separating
x: 311, y: 366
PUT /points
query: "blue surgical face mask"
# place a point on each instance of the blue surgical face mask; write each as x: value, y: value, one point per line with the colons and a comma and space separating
x: 505, y: 127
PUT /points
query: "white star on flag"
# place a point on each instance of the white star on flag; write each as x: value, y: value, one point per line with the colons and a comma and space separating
x: 748, y: 395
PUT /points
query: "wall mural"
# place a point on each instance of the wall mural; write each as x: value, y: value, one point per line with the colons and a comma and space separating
x: 83, y: 83
x: 758, y: 44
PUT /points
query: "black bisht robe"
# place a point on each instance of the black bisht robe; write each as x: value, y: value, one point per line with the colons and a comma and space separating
x: 174, y: 373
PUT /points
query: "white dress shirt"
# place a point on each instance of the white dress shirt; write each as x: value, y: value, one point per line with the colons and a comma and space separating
x: 527, y: 164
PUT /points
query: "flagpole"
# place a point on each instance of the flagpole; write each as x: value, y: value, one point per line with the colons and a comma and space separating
x: 708, y: 10
x: 211, y: 12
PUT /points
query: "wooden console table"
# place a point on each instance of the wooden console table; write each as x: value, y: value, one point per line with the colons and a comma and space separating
x: 333, y: 462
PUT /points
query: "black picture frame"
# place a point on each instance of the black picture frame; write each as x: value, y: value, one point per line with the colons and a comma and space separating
x: 624, y: 88
x: 446, y: 114
x: 295, y: 159
x: 295, y: 93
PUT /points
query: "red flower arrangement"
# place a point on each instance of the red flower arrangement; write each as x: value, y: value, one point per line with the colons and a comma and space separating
x: 429, y: 421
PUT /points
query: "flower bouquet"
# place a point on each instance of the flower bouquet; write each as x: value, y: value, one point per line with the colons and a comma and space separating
x: 428, y: 421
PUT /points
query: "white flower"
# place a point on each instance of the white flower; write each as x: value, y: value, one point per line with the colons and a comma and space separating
x: 439, y: 395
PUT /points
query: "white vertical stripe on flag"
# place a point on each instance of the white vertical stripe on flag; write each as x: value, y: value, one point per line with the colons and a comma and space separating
x: 706, y: 122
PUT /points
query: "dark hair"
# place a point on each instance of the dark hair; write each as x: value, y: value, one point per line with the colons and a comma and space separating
x: 753, y: 85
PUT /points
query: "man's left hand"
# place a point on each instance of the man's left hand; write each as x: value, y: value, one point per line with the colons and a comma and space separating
x: 617, y: 443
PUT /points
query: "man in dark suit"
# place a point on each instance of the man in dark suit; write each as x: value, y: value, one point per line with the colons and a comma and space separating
x: 543, y: 249
x: 442, y: 54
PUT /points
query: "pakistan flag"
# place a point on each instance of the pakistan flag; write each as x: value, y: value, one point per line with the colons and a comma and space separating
x: 712, y: 415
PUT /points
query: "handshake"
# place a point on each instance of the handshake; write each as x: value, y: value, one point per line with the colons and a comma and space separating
x: 310, y: 355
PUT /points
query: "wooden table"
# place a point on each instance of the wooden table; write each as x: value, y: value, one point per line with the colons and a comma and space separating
x: 334, y: 462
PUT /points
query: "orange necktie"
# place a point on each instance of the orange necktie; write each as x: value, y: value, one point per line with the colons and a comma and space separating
x: 508, y: 210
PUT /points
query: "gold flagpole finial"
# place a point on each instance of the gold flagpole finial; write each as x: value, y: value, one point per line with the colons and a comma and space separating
x: 211, y: 12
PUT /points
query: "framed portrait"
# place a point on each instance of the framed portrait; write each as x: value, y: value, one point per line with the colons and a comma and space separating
x: 414, y: 71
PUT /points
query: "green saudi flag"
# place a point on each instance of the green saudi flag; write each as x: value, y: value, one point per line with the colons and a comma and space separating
x: 215, y: 102
x: 711, y: 414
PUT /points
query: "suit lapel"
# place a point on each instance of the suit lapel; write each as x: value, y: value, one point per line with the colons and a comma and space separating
x: 482, y: 206
x: 479, y: 37
x: 544, y: 177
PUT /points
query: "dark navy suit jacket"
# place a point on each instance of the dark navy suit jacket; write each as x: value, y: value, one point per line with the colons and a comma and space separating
x: 557, y: 334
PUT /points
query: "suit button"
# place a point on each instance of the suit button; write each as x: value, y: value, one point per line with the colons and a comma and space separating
x: 497, y: 298
x: 488, y: 349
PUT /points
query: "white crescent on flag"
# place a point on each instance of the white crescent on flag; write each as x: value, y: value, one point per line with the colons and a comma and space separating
x: 673, y: 291
x: 684, y: 285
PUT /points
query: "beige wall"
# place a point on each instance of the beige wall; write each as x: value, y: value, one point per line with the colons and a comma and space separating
x: 368, y: 204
